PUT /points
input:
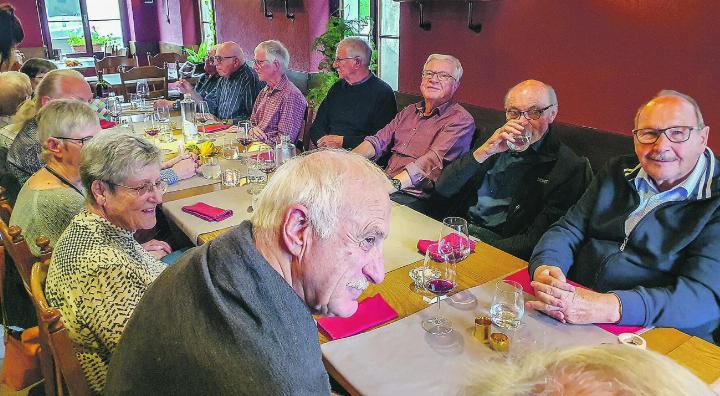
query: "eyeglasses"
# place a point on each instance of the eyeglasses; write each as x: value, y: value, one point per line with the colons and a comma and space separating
x: 80, y: 141
x: 441, y: 76
x: 260, y: 62
x: 532, y: 114
x: 147, y: 188
x: 219, y: 59
x: 348, y: 58
x: 675, y: 134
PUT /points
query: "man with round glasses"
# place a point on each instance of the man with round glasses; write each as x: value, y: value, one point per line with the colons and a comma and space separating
x: 510, y: 198
x: 644, y: 236
x: 424, y: 137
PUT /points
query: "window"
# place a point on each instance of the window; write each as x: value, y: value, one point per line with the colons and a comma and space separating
x: 207, y: 20
x: 386, y: 17
x: 83, y: 26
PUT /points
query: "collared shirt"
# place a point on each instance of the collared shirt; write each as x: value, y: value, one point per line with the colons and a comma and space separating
x: 206, y: 84
x: 500, y: 185
x: 423, y: 145
x: 234, y: 96
x: 651, y: 197
x: 279, y: 110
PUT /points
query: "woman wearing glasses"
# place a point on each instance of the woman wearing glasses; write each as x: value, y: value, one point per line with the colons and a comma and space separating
x: 98, y: 272
x: 54, y: 195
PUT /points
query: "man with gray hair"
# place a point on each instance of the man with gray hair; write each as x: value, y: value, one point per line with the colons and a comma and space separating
x: 356, y: 106
x: 425, y: 137
x: 234, y: 315
x: 644, y: 236
x: 511, y: 192
x: 279, y: 109
x: 235, y: 93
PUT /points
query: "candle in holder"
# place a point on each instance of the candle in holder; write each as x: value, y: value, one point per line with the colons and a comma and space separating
x: 483, y: 325
x: 499, y: 342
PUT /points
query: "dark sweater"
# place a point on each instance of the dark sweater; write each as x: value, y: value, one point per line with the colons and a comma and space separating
x: 220, y: 321
x: 354, y: 111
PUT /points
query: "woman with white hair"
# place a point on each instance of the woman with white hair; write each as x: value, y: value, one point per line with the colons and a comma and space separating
x: 54, y: 195
x: 98, y: 272
x: 16, y: 88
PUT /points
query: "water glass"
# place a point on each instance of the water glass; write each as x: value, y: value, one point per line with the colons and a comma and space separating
x: 211, y: 168
x: 231, y: 148
x: 520, y: 142
x: 202, y: 119
x: 231, y: 177
x: 454, y: 234
x: 136, y: 101
x: 142, y: 88
x: 508, y: 304
x: 114, y: 108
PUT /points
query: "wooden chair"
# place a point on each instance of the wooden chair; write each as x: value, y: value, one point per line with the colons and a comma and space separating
x: 156, y: 77
x: 67, y: 375
x: 163, y: 58
x: 112, y: 64
x: 307, y: 143
x: 19, y: 251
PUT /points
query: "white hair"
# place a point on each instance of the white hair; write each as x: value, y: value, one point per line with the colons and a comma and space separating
x: 457, y: 73
x: 671, y: 92
x: 61, y: 117
x: 275, y: 51
x: 357, y: 47
x: 318, y: 181
x: 16, y: 88
x: 587, y: 370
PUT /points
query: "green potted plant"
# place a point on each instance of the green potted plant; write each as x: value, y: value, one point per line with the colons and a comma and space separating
x: 337, y: 29
x: 77, y: 41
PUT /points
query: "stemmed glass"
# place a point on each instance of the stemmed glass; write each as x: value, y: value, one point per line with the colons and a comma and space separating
x: 439, y: 279
x: 245, y: 138
x: 454, y: 234
x: 143, y: 90
x: 114, y: 108
x: 163, y: 116
x: 152, y: 126
x: 261, y: 165
x: 202, y: 119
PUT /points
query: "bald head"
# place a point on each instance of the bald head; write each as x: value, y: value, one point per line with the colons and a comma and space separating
x: 539, y: 89
x: 231, y: 57
x: 671, y: 97
x: 64, y: 84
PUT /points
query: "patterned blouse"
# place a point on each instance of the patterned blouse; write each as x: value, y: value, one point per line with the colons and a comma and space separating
x: 97, y: 275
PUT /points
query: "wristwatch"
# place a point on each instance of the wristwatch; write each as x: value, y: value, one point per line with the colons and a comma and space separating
x: 396, y: 183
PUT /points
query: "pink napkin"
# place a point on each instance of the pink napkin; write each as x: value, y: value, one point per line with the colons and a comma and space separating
x: 213, y: 128
x: 207, y: 212
x: 523, y: 278
x: 371, y: 312
x: 454, y: 239
x: 264, y: 156
x: 105, y: 124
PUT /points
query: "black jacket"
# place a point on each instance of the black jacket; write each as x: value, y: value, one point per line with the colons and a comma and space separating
x: 553, y: 185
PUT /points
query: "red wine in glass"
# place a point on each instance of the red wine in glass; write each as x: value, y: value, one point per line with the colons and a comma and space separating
x: 152, y: 131
x: 267, y: 168
x: 439, y: 287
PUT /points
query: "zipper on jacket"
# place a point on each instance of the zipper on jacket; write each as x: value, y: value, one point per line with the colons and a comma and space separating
x: 624, y: 242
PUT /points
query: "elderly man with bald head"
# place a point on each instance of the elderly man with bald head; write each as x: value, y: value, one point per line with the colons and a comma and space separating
x: 645, y: 234
x: 514, y: 185
x: 235, y: 93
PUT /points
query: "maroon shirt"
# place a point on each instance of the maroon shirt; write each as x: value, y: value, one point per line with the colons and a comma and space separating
x: 422, y: 145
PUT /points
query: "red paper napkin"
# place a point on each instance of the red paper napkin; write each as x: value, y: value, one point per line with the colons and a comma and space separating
x: 454, y: 239
x: 523, y: 278
x: 105, y: 124
x: 371, y: 312
x: 264, y: 156
x: 213, y: 128
x: 207, y: 212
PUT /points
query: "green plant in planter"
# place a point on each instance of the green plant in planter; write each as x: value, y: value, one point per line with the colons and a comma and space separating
x: 337, y: 29
x: 197, y: 57
x: 77, y: 39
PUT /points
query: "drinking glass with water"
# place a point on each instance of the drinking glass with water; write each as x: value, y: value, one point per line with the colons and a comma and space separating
x: 508, y: 304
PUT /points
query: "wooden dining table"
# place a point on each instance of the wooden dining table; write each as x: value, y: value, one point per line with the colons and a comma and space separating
x: 484, y: 265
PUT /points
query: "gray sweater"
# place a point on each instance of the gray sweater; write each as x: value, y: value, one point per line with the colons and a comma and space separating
x: 220, y: 321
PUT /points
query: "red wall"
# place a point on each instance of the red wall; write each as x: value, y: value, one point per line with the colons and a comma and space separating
x: 604, y: 57
x: 26, y: 11
x: 242, y: 21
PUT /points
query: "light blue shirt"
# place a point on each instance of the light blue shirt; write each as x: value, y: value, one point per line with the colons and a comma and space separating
x: 651, y: 198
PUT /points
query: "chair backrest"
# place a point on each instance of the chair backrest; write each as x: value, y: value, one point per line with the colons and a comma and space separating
x: 156, y: 77
x: 307, y: 143
x: 19, y: 251
x: 163, y: 58
x: 5, y: 207
x: 67, y: 370
x: 111, y: 64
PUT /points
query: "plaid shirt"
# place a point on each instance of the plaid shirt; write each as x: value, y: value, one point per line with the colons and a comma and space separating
x: 279, y: 110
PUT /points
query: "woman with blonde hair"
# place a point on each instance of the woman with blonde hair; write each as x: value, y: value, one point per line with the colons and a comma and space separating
x: 16, y: 89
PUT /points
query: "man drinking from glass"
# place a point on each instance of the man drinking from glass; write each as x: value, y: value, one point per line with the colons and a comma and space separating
x: 522, y: 179
x: 645, y: 234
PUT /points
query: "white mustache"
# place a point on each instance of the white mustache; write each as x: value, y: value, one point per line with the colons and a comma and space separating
x: 661, y: 157
x: 360, y: 284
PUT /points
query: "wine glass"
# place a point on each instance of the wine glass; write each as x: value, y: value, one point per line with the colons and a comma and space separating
x: 152, y: 126
x: 114, y: 108
x: 438, y: 279
x: 262, y: 163
x: 454, y: 235
x: 202, y: 119
x: 284, y: 150
x: 508, y: 305
x: 231, y: 149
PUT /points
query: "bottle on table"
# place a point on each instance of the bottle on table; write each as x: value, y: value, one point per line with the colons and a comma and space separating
x: 187, y: 111
x: 102, y: 88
